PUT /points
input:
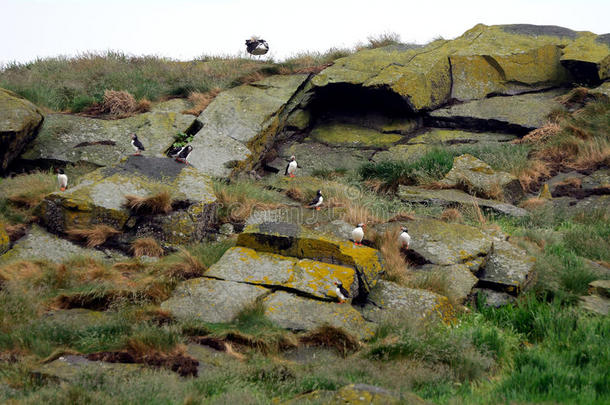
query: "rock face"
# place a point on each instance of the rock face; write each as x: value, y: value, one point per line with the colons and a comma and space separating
x: 288, y: 239
x: 485, y: 60
x: 242, y: 123
x: 477, y: 177
x: 39, y: 244
x: 452, y: 198
x: 100, y: 196
x: 508, y: 268
x: 389, y: 302
x: 517, y: 114
x: 71, y: 138
x: 292, y: 312
x: 19, y: 124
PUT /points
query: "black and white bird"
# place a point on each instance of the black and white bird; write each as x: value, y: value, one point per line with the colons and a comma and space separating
x: 183, y: 154
x: 404, y: 237
x: 317, y: 201
x: 256, y: 46
x: 62, y: 179
x: 342, y: 293
x: 358, y: 234
x: 137, y: 145
x: 291, y: 167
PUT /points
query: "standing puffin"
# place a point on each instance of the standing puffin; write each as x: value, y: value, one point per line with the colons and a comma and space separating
x: 291, y: 167
x: 342, y: 293
x: 358, y: 234
x: 184, y: 153
x: 404, y: 237
x: 62, y: 179
x: 317, y: 201
x: 256, y: 46
x: 137, y: 145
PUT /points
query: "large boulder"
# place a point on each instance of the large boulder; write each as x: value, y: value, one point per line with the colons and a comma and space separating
x: 72, y: 138
x: 305, y: 276
x: 485, y: 60
x: 390, y: 302
x: 242, y: 123
x: 458, y: 277
x: 297, y: 313
x: 211, y: 300
x: 289, y: 239
x: 100, y: 196
x: 19, y: 124
x: 508, y: 268
x: 477, y: 177
x: 517, y: 114
x: 453, y: 198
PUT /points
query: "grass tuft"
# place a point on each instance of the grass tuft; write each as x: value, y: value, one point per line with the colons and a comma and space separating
x: 160, y: 203
x: 95, y: 236
x: 146, y: 247
x: 331, y: 337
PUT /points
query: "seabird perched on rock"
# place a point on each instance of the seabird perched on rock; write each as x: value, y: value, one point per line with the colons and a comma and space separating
x: 342, y: 293
x: 358, y: 234
x: 404, y: 237
x: 317, y: 201
x: 291, y: 167
x: 137, y: 145
x: 256, y: 46
x: 62, y: 179
x: 184, y: 154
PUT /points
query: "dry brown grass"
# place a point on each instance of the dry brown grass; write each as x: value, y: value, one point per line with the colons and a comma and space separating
x: 575, y: 96
x: 542, y: 134
x: 571, y: 182
x: 535, y: 172
x: 200, y: 101
x: 252, y: 77
x: 160, y: 203
x: 296, y: 194
x: 394, y: 263
x: 143, y: 105
x: 239, y: 206
x: 187, y: 266
x: 402, y: 217
x: 118, y: 103
x: 95, y: 236
x: 15, y: 232
x: 146, y: 247
x: 451, y: 215
x: 332, y: 338
x: 532, y: 203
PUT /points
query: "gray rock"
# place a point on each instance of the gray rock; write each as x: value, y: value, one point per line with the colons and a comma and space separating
x: 600, y: 287
x: 452, y: 198
x: 211, y: 300
x: 72, y: 368
x: 495, y: 299
x: 20, y: 121
x: 292, y: 312
x: 390, y: 302
x: 460, y: 279
x: 595, y: 304
x: 226, y: 229
x: 508, y: 268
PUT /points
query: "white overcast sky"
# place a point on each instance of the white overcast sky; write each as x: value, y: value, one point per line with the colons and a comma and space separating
x: 184, y: 29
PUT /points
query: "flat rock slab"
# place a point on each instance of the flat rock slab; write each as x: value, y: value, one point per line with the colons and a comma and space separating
x: 73, y: 368
x: 100, y: 198
x: 517, y: 114
x: 242, y: 123
x: 392, y: 302
x: 446, y: 244
x: 459, y: 278
x: 72, y: 138
x: 40, y: 244
x: 211, y: 300
x: 303, y: 275
x: 352, y: 136
x: 508, y: 268
x: 20, y: 121
x: 452, y: 198
x: 292, y: 240
x: 293, y: 312
x: 595, y: 304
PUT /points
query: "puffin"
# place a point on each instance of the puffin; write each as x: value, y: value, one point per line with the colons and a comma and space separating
x: 291, y: 167
x: 358, y: 234
x: 62, y: 179
x: 342, y: 293
x: 404, y: 237
x: 317, y: 201
x: 137, y: 145
x: 256, y: 46
x: 183, y: 155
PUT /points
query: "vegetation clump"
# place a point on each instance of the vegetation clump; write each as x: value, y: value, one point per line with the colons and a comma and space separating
x: 95, y: 236
x: 160, y: 203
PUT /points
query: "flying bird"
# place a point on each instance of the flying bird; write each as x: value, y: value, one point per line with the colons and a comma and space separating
x: 358, y: 234
x: 184, y: 153
x: 62, y: 179
x: 404, y: 237
x: 342, y: 293
x: 317, y: 201
x: 256, y: 46
x: 291, y: 167
x: 137, y: 145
